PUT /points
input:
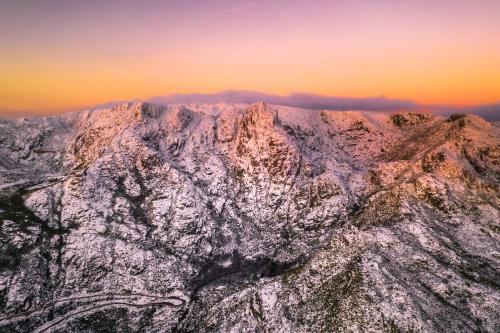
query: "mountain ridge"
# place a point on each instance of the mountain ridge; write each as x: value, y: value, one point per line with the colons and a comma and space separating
x: 257, y: 217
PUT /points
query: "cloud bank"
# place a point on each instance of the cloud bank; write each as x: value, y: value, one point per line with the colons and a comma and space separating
x: 489, y: 112
x: 319, y: 102
x: 308, y: 101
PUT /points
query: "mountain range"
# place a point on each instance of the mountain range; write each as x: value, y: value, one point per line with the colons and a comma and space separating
x: 249, y: 218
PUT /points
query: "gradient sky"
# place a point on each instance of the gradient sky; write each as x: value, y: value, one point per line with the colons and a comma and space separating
x: 65, y: 55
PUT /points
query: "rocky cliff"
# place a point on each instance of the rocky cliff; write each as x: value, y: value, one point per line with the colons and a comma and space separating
x: 249, y: 218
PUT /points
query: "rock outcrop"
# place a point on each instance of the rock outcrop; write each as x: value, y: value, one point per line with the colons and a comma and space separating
x: 237, y: 218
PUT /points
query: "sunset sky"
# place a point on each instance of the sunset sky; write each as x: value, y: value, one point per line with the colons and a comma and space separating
x: 66, y: 55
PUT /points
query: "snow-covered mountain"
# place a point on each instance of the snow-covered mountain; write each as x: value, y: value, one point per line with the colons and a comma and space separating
x: 249, y: 218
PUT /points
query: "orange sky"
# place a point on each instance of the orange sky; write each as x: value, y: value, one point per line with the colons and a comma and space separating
x: 57, y: 57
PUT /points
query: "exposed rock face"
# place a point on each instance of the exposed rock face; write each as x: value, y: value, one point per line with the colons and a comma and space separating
x: 237, y: 218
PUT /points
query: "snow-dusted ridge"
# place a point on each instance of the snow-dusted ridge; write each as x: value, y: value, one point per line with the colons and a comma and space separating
x: 249, y: 218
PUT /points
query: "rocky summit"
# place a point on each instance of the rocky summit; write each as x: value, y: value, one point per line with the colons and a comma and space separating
x: 249, y: 218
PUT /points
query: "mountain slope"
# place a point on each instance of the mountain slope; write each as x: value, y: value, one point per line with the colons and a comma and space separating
x: 219, y: 217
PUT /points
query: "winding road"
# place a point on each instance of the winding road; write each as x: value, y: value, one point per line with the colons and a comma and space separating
x: 100, y: 301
